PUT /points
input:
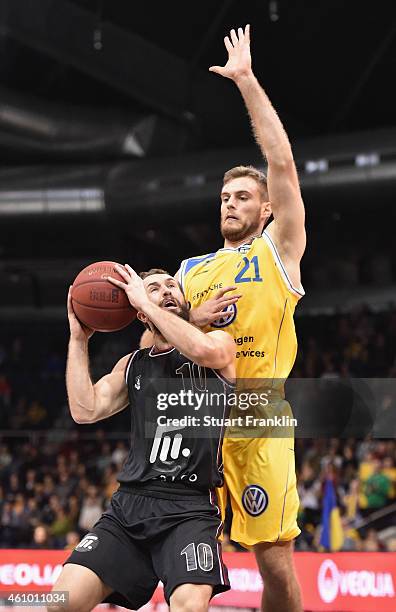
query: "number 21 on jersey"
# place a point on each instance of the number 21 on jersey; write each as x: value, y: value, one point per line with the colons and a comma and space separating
x: 250, y: 266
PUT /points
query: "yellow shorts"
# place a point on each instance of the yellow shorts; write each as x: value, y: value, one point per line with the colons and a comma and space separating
x: 260, y: 480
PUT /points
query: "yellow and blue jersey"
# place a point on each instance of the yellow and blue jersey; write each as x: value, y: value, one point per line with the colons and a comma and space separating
x: 259, y: 468
x: 261, y: 322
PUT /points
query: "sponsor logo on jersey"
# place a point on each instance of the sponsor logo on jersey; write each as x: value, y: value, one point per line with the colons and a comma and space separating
x: 167, y: 447
x: 137, y: 381
x: 227, y: 318
x: 201, y: 294
x: 249, y: 353
x: 254, y: 500
x: 168, y: 450
x: 88, y: 543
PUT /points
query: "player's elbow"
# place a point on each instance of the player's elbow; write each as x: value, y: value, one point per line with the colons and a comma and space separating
x: 213, y: 356
x: 77, y: 418
x: 282, y: 161
x: 82, y: 417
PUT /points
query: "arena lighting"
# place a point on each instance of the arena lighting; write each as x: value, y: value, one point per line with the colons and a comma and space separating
x: 367, y: 159
x: 51, y: 201
x: 317, y: 165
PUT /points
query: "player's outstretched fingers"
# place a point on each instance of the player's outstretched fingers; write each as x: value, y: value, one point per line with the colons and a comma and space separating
x: 116, y: 282
x: 234, y: 37
x: 122, y: 272
x: 228, y: 44
x: 247, y: 32
x: 240, y: 34
x: 223, y: 291
x: 131, y: 271
x: 231, y: 300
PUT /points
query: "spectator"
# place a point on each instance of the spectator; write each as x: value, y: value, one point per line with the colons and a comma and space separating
x: 5, y: 392
x: 41, y: 538
x: 376, y: 489
x: 309, y: 489
x: 110, y: 481
x: 72, y: 539
x: 351, y: 500
x: 91, y: 509
x: 61, y: 524
x: 371, y: 543
x: 119, y: 454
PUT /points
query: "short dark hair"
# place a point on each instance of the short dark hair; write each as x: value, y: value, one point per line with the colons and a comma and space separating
x: 152, y: 271
x: 252, y: 172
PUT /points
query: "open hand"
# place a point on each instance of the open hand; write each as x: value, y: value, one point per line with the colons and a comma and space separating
x: 239, y: 62
x: 213, y: 309
x: 133, y: 286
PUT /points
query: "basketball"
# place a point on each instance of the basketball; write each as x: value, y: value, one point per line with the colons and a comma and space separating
x: 99, y: 304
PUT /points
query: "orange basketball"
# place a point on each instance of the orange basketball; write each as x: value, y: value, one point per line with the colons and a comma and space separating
x: 98, y: 303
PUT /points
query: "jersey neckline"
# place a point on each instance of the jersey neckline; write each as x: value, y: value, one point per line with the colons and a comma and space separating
x: 151, y: 354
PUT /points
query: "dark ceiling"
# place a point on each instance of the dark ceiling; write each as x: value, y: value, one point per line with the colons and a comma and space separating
x: 76, y: 72
x: 328, y: 65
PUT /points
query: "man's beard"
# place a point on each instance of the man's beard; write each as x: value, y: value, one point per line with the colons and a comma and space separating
x: 245, y: 231
x: 183, y: 313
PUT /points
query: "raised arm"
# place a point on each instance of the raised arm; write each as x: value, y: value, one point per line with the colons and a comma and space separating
x: 214, y: 350
x: 288, y: 229
x: 90, y: 402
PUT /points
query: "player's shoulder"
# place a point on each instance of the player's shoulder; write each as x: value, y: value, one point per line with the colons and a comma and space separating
x: 133, y: 360
x: 193, y: 261
x: 187, y: 265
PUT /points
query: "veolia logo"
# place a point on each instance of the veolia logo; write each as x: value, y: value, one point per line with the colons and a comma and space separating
x: 333, y: 582
x: 328, y: 581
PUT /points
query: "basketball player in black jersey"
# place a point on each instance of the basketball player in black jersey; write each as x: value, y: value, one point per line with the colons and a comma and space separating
x: 163, y: 522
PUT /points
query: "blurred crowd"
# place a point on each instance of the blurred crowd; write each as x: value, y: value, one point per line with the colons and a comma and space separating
x: 54, y: 487
x: 364, y: 477
x: 52, y: 491
x: 361, y: 344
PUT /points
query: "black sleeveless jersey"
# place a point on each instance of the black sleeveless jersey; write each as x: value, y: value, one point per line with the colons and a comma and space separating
x: 178, y: 411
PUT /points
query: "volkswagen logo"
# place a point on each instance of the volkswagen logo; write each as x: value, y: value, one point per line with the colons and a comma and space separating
x: 227, y: 317
x: 254, y: 500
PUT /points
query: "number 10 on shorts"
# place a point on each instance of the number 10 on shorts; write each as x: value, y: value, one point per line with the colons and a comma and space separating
x: 201, y: 556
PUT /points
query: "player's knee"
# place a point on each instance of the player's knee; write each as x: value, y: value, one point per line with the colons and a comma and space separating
x: 191, y: 598
x: 190, y: 606
x: 278, y: 578
x: 74, y: 601
x: 70, y: 606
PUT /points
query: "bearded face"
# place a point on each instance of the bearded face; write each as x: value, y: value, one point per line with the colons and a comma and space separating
x: 243, y: 211
x: 165, y: 291
x: 236, y: 226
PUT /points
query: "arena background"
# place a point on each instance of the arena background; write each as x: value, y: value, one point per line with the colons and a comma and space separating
x: 113, y: 141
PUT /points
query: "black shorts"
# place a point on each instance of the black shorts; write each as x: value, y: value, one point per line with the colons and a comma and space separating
x: 148, y: 536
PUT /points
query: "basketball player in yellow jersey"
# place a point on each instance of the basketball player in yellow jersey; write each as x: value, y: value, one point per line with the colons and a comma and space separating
x: 264, y: 268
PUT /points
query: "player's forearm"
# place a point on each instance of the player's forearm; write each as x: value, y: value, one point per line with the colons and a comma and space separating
x: 79, y: 385
x: 188, y: 339
x: 267, y: 127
